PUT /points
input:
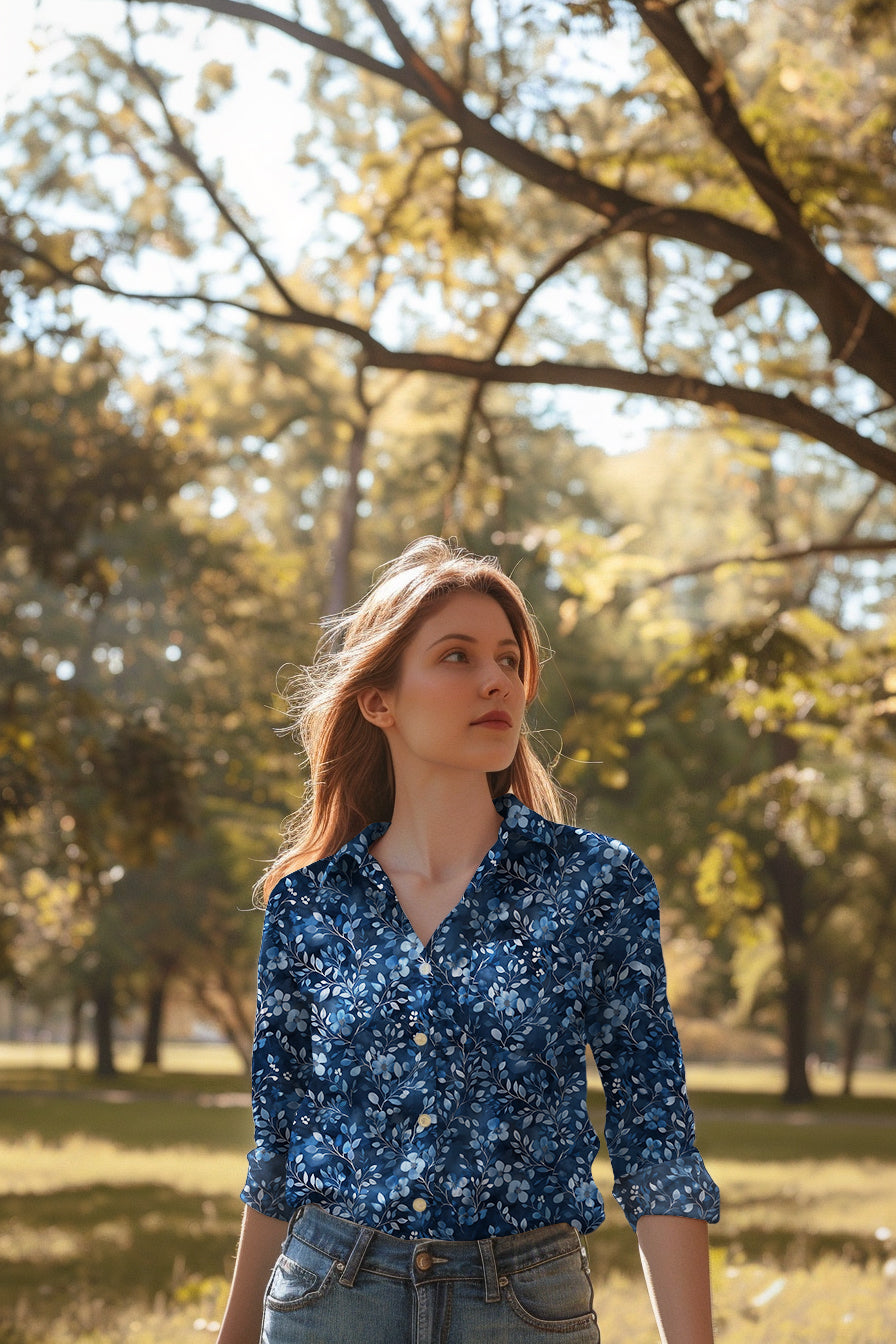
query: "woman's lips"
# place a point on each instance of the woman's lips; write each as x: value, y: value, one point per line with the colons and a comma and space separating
x: 497, y: 719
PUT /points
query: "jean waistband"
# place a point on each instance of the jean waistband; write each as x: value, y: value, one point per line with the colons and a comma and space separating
x: 423, y: 1259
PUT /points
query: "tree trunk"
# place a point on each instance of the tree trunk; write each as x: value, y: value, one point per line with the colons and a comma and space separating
x: 340, y: 579
x: 796, y: 1008
x: 75, y: 1028
x: 856, y: 1007
x: 104, y: 1019
x: 788, y: 880
x: 155, y: 1014
x: 223, y: 1003
x: 859, y: 994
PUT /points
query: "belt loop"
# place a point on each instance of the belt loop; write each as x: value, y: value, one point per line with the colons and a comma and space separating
x: 293, y: 1219
x: 489, y: 1269
x: 353, y: 1263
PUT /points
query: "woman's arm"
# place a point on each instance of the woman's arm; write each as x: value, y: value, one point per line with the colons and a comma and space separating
x: 675, y: 1256
x: 260, y: 1242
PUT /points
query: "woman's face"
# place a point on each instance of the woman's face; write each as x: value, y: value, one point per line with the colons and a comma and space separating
x: 459, y: 701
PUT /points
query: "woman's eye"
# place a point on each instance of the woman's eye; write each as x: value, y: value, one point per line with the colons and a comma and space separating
x: 455, y: 655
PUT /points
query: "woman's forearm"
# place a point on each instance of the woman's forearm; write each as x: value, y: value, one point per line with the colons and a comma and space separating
x: 675, y: 1257
x: 260, y: 1242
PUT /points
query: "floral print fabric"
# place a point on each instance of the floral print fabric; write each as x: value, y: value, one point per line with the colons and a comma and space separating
x: 440, y: 1091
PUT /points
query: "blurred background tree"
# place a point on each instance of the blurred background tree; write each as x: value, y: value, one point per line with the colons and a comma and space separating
x: 605, y: 288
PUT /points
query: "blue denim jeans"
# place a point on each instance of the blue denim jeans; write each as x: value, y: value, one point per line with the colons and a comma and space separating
x: 338, y: 1282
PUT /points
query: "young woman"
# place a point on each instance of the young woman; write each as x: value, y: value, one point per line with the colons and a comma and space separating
x: 423, y: 1150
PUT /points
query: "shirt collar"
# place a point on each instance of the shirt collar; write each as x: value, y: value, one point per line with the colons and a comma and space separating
x: 522, y: 833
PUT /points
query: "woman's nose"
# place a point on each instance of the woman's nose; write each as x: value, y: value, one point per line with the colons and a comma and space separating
x: 498, y: 681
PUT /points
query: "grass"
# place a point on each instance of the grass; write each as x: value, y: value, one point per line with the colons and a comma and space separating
x: 806, y: 1249
x: 120, y: 1212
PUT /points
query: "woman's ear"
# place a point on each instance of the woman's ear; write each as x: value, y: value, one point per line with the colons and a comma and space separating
x: 373, y: 705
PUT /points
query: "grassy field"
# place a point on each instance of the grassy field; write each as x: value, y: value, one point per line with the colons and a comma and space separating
x: 119, y: 1213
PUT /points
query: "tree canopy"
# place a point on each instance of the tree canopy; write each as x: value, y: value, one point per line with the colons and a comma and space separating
x: 690, y: 202
x: 483, y: 227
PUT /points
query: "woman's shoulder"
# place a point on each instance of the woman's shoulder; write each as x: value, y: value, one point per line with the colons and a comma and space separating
x: 336, y: 872
x: 569, y: 849
x: 301, y: 887
x: 566, y: 838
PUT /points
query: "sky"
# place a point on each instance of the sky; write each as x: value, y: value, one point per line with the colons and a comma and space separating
x: 252, y: 132
x: 23, y: 22
x: 254, y: 135
x: 17, y: 18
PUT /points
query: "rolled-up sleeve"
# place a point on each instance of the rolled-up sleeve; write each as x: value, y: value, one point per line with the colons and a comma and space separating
x: 649, y: 1128
x: 280, y: 1063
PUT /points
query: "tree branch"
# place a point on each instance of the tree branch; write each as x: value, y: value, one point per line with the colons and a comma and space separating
x: 182, y: 151
x: 847, y: 313
x: 620, y: 208
x: 749, y: 288
x: 845, y: 534
x: 475, y: 404
x: 777, y: 554
x: 406, y: 195
x: 790, y: 411
x: 295, y: 315
x: 793, y: 264
x: 644, y: 317
x: 861, y: 509
x: 322, y: 42
x: 707, y: 79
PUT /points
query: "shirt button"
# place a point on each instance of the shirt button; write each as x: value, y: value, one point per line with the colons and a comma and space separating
x: 420, y: 1038
x: 425, y: 968
x: 424, y: 1121
x: 419, y: 1205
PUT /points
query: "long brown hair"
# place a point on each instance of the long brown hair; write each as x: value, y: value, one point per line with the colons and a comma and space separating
x: 350, y: 773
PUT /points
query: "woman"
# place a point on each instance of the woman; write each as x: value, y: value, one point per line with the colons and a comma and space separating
x: 423, y: 1149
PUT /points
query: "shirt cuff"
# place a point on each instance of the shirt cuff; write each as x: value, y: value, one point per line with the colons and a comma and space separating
x: 681, y: 1186
x: 265, y: 1186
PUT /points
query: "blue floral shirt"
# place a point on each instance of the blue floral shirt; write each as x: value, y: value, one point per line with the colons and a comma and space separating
x: 440, y: 1091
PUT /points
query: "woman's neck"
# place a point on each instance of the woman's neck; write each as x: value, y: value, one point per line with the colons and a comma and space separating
x: 440, y: 830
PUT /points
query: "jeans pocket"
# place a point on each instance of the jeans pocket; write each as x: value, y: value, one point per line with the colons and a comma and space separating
x: 302, y: 1276
x: 555, y: 1297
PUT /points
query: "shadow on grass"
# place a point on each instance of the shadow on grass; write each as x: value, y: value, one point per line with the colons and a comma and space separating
x: 790, y: 1249
x: 147, y: 1081
x: 780, y: 1139
x: 145, y: 1123
x: 760, y: 1128
x: 615, y: 1250
x: 117, y: 1244
x: 771, y: 1104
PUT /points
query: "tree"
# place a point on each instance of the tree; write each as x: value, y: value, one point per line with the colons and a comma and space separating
x: 747, y: 714
x: 735, y: 184
x: 495, y: 210
x: 129, y: 639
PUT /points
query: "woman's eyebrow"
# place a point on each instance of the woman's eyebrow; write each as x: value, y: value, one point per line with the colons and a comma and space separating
x: 471, y: 639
